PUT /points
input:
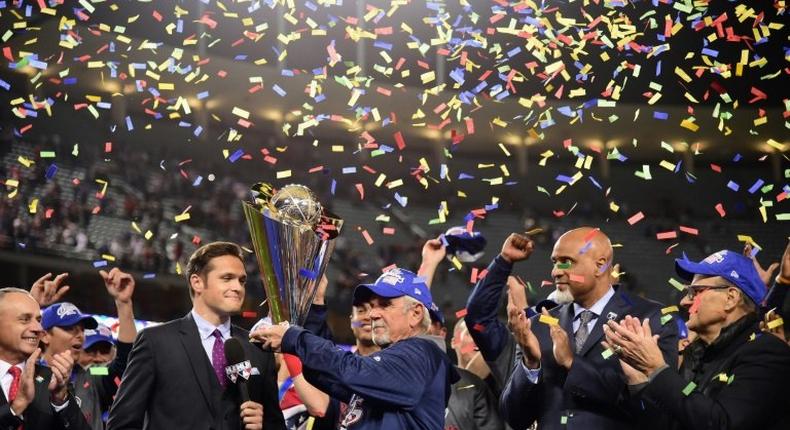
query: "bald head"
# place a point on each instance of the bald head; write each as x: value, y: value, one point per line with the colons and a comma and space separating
x: 582, y: 260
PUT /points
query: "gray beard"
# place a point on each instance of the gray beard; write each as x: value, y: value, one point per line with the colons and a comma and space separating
x: 561, y: 297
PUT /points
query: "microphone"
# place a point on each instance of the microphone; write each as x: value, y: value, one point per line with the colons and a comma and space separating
x: 238, y: 367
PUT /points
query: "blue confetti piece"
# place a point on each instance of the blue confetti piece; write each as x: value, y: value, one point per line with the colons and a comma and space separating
x: 202, y: 95
x: 197, y: 181
x: 333, y: 187
x: 309, y: 274
x: 737, y: 158
x: 733, y: 186
x: 129, y: 125
x: 52, y: 170
x: 597, y: 185
x: 660, y: 115
x: 753, y: 189
x: 5, y: 85
x: 402, y: 200
x: 236, y: 155
x: 100, y: 263
x: 281, y: 92
x: 149, y: 276
x: 198, y: 131
x: 563, y: 178
x: 465, y: 176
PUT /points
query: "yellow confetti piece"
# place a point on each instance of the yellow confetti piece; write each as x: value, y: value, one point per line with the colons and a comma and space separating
x: 182, y: 217
x: 284, y: 174
x: 776, y: 145
x: 775, y: 323
x: 108, y: 257
x: 178, y: 268
x: 33, y: 206
x: 546, y: 319
x: 25, y: 161
x: 148, y: 235
x: 669, y: 309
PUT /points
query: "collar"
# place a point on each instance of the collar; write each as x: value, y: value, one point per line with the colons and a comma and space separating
x: 596, y: 308
x: 4, y: 366
x: 205, y: 328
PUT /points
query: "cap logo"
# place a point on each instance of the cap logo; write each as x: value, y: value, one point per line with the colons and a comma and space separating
x: 417, y: 292
x: 67, y: 309
x: 734, y: 274
x: 715, y: 258
x: 393, y: 277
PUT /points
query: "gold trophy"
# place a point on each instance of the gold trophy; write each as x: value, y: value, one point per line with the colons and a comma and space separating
x: 293, y: 237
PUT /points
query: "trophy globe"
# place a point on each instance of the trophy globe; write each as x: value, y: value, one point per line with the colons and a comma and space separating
x: 297, y: 205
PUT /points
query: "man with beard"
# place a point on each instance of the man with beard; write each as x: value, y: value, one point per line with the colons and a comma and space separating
x: 562, y: 379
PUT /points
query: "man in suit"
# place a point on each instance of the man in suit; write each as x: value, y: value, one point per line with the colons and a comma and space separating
x: 175, y: 378
x: 563, y: 379
x: 34, y: 396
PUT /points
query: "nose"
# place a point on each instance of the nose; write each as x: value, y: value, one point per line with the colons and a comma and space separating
x: 685, y: 301
x: 36, y: 327
x: 556, y: 272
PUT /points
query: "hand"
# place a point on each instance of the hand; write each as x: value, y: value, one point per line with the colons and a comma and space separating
x: 46, y: 291
x: 632, y: 376
x: 765, y: 274
x: 27, y: 385
x: 776, y: 331
x: 270, y: 337
x: 784, y: 269
x: 635, y: 344
x: 516, y: 248
x: 517, y: 294
x: 563, y: 354
x: 433, y: 252
x: 320, y: 293
x: 520, y: 325
x: 120, y: 285
x: 61, y: 365
x: 251, y: 415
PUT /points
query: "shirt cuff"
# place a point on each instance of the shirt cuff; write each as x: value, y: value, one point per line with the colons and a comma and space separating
x: 59, y: 408
x: 532, y: 374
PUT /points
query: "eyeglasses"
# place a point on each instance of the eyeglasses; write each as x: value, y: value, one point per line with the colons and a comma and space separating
x: 693, y: 290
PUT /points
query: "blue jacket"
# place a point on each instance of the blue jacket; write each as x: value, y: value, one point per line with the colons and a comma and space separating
x: 404, y: 386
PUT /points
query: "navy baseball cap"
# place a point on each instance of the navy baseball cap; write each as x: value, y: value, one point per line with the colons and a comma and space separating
x: 730, y: 265
x: 397, y: 283
x: 102, y: 333
x: 65, y: 315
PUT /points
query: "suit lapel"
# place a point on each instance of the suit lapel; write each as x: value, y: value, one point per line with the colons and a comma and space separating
x: 616, y: 309
x: 190, y: 339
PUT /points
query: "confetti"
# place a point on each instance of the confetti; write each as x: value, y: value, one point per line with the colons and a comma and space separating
x: 546, y: 319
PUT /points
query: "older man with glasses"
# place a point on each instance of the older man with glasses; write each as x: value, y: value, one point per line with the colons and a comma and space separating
x: 732, y: 376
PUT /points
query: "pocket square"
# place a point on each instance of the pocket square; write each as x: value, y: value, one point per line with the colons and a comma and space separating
x: 255, y: 371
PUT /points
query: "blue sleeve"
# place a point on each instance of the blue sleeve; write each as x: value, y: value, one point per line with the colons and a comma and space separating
x: 489, y: 334
x: 316, y: 322
x: 521, y: 399
x: 393, y: 376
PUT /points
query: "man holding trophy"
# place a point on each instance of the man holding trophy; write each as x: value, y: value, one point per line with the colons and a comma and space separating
x: 405, y: 385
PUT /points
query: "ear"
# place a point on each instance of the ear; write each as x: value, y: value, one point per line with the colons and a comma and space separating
x: 196, y: 283
x: 601, y: 266
x: 416, y: 315
x: 733, y: 298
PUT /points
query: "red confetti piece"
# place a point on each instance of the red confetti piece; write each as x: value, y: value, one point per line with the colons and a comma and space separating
x: 388, y: 268
x: 316, y: 169
x: 577, y: 278
x: 695, y: 305
x: 249, y: 314
x: 639, y: 216
x: 667, y: 235
x: 107, y: 147
x: 720, y: 210
x: 689, y: 230
x: 367, y: 237
x: 715, y: 167
x: 361, y: 191
x: 480, y: 328
x: 669, y: 250
x: 399, y: 141
x: 389, y: 231
x: 473, y: 277
x: 460, y: 314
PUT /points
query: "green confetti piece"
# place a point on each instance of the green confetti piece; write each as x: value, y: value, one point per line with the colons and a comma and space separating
x: 529, y: 287
x: 767, y: 188
x: 666, y: 318
x: 689, y: 388
x: 563, y: 420
x: 562, y: 266
x: 783, y: 217
x: 99, y: 371
x: 47, y: 154
x: 677, y: 284
x: 607, y: 353
x: 730, y: 379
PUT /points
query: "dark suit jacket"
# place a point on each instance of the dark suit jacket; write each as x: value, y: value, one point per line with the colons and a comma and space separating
x: 169, y: 383
x: 593, y: 393
x: 40, y: 415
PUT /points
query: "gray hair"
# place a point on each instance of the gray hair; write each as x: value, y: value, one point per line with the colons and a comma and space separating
x: 8, y: 290
x: 425, y: 324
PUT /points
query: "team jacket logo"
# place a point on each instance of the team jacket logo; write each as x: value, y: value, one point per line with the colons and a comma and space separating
x: 353, y: 413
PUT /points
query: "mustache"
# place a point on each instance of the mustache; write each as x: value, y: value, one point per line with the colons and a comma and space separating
x: 377, y: 325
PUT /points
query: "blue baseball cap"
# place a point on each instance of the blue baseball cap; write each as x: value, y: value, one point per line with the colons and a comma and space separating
x: 730, y: 265
x: 397, y: 283
x: 467, y: 246
x: 65, y: 315
x: 101, y: 333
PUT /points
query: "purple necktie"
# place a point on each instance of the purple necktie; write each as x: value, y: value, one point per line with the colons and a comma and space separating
x: 218, y: 358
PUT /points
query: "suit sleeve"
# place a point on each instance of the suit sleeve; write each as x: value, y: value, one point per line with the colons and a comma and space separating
x: 521, y: 399
x: 608, y: 386
x: 315, y: 322
x: 131, y: 402
x: 71, y: 417
x: 395, y: 376
x: 489, y: 334
x: 776, y: 298
x: 108, y: 384
x: 763, y: 372
x: 272, y: 414
x: 7, y: 419
x: 486, y: 414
